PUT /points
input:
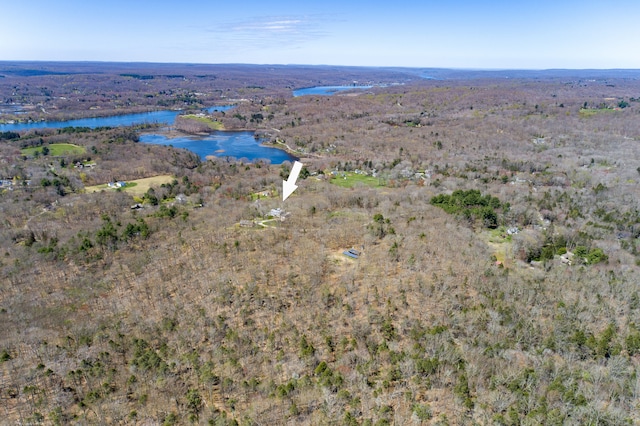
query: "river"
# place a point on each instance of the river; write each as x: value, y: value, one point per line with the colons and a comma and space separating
x: 325, y: 90
x: 165, y: 116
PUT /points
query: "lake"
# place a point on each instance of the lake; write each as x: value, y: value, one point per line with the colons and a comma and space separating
x: 220, y: 144
x: 223, y: 144
x: 325, y: 90
x: 166, y: 116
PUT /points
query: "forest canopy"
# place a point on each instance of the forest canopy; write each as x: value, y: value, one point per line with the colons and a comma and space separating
x: 458, y: 251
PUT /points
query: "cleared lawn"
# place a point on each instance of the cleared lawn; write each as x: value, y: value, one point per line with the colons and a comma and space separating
x: 55, y: 149
x: 589, y: 112
x: 135, y: 187
x: 213, y: 125
x: 349, y: 180
x: 262, y: 194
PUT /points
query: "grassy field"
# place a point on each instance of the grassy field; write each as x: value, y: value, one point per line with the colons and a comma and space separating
x: 262, y: 194
x: 589, y: 112
x: 213, y: 125
x: 349, y: 180
x: 55, y: 149
x: 135, y: 187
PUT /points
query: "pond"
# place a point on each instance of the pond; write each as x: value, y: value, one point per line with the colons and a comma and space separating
x: 239, y: 145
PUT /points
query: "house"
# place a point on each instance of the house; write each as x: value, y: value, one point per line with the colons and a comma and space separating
x: 116, y: 185
x: 567, y: 258
x: 279, y: 214
x: 275, y: 212
x: 513, y: 230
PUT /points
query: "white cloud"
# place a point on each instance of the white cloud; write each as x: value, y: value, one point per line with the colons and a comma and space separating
x: 270, y: 31
x: 289, y: 25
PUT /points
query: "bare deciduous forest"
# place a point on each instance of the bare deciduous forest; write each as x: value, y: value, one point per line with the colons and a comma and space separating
x: 497, y: 222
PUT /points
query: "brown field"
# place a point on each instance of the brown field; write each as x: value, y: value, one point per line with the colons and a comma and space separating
x: 141, y: 185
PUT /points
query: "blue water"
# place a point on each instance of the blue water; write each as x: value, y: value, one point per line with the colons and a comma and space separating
x: 240, y: 145
x: 220, y: 108
x: 166, y: 117
x: 325, y: 90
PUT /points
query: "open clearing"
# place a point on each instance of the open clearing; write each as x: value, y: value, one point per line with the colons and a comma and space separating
x: 499, y: 242
x: 55, y: 149
x: 589, y: 112
x: 212, y: 124
x: 349, y: 180
x: 136, y: 187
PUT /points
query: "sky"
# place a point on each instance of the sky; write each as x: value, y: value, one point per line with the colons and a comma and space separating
x: 489, y: 34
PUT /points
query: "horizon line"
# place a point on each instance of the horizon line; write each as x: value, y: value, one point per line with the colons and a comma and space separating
x: 471, y: 68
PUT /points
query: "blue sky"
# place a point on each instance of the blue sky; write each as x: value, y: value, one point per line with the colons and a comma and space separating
x: 461, y: 34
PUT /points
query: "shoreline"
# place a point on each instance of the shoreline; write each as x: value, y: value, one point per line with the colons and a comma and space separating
x: 65, y: 117
x: 70, y: 116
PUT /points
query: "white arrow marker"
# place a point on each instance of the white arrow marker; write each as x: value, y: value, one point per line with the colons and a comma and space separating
x: 288, y: 186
